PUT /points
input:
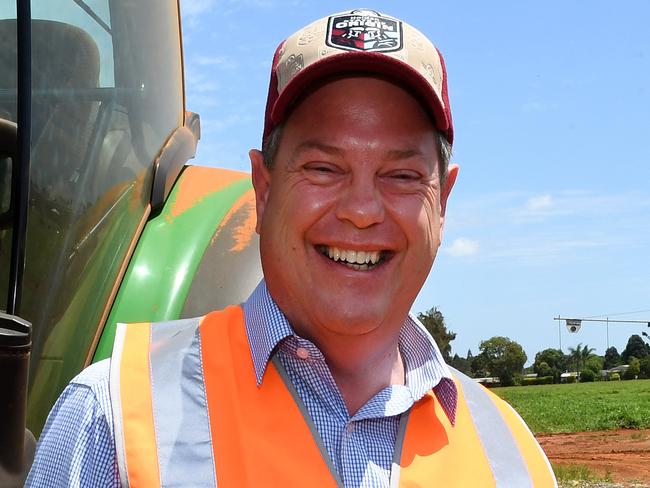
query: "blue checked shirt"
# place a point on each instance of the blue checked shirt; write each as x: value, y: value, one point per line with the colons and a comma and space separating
x: 77, y: 446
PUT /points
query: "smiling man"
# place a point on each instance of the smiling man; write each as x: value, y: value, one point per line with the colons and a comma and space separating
x: 322, y: 377
x: 350, y: 213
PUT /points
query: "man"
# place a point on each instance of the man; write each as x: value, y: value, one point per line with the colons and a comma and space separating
x: 321, y: 378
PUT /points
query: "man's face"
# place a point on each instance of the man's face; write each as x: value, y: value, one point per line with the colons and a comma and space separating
x: 350, y: 216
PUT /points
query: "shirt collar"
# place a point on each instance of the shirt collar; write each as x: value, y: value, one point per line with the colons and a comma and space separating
x: 267, y: 326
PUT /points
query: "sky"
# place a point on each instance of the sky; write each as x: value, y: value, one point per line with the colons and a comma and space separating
x: 550, y: 214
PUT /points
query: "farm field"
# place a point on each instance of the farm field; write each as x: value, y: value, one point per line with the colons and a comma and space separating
x: 591, y: 432
x: 603, y: 405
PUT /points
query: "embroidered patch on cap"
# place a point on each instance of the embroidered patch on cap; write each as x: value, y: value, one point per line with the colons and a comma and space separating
x: 364, y: 30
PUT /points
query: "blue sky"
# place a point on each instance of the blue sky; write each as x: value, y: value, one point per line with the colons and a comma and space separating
x: 551, y: 100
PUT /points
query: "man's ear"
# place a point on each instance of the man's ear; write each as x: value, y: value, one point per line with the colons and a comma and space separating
x: 450, y: 179
x: 261, y: 184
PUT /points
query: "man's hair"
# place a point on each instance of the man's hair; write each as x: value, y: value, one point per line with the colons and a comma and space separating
x: 272, y: 142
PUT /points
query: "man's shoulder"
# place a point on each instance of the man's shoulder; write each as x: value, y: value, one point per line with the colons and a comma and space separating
x: 90, y: 390
x: 96, y: 376
x: 76, y: 447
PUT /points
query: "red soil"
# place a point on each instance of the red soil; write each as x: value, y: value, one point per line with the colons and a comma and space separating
x: 624, y: 454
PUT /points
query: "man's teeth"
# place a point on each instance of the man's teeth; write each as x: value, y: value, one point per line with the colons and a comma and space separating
x: 353, y: 257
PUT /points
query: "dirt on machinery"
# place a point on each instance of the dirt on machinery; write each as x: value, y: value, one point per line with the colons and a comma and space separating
x: 624, y: 454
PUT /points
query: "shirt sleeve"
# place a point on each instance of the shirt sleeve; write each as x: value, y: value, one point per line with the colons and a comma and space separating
x: 77, y: 446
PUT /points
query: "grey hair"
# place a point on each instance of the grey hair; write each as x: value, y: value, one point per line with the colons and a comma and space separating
x: 272, y: 142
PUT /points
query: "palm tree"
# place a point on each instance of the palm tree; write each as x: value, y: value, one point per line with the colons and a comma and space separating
x: 580, y: 354
x: 575, y: 355
x: 586, y: 353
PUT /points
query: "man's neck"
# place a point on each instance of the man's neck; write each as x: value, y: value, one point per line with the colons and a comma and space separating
x: 362, y: 367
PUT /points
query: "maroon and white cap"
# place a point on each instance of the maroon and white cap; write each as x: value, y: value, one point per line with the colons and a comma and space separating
x: 359, y: 41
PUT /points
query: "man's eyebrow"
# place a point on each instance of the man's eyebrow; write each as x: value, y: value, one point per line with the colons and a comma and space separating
x: 399, y: 154
x: 319, y: 146
x: 391, y: 155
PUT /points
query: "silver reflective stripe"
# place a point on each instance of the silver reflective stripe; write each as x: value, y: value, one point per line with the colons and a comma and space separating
x: 312, y: 427
x: 503, y: 454
x: 397, y: 453
x: 116, y: 402
x: 539, y: 448
x: 180, y: 409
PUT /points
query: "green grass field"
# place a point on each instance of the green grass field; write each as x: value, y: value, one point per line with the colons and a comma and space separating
x: 582, y: 406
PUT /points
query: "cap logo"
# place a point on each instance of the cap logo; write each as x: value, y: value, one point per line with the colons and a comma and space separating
x: 364, y: 30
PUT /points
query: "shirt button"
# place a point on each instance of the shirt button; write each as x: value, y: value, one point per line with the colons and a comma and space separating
x: 302, y: 353
x: 349, y: 428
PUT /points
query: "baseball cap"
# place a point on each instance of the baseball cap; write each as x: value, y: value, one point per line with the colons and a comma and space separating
x: 358, y: 41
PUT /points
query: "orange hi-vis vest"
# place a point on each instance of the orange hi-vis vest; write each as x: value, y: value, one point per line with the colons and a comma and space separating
x: 188, y: 412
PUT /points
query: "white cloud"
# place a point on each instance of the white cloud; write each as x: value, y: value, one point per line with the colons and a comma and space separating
x: 223, y: 62
x: 462, y: 247
x: 536, y: 204
x: 211, y: 60
x: 541, y: 250
x: 539, y: 206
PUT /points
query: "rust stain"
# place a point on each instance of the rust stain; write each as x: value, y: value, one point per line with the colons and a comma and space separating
x: 198, y: 182
x: 242, y: 233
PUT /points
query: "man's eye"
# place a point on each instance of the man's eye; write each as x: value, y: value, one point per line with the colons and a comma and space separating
x: 405, y: 176
x: 322, y: 173
x: 323, y: 168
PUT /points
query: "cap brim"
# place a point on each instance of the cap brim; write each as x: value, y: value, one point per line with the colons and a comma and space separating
x: 363, y: 62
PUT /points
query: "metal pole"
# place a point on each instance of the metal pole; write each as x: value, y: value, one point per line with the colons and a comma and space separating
x: 603, y: 320
x: 20, y: 167
x: 559, y: 331
x: 607, y: 332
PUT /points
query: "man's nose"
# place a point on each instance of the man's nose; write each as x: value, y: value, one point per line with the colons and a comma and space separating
x: 361, y: 203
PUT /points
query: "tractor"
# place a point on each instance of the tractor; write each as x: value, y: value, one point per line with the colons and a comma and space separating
x: 102, y: 220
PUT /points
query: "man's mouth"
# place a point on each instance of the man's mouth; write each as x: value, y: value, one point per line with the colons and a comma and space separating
x: 354, y: 259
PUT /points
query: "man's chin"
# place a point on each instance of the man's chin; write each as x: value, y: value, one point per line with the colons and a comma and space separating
x: 362, y: 317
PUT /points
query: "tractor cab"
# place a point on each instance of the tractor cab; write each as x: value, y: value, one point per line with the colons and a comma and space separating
x: 101, y: 219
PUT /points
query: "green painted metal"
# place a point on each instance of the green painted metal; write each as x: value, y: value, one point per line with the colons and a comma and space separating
x: 166, y: 259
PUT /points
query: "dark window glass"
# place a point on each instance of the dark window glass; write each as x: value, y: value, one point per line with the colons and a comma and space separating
x: 106, y: 95
x: 8, y: 98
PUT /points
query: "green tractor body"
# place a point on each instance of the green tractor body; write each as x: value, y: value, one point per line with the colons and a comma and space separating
x: 101, y: 219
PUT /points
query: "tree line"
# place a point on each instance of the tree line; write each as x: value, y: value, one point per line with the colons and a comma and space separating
x: 504, y: 358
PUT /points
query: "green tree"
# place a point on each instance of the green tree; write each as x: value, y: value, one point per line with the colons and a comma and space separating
x: 543, y: 369
x: 434, y: 322
x: 644, y: 367
x: 594, y: 363
x: 587, y: 376
x: 461, y: 364
x: 612, y: 358
x: 633, y: 370
x: 554, y: 361
x: 574, y: 356
x: 504, y: 358
x: 479, y: 367
x: 635, y: 347
x: 580, y: 354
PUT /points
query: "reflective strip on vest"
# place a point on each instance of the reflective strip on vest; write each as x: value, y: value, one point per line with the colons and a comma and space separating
x: 180, y: 407
x: 188, y: 412
x: 130, y: 387
x: 175, y: 411
x: 503, y: 453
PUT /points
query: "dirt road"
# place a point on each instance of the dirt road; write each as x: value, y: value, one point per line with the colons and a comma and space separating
x: 624, y: 454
